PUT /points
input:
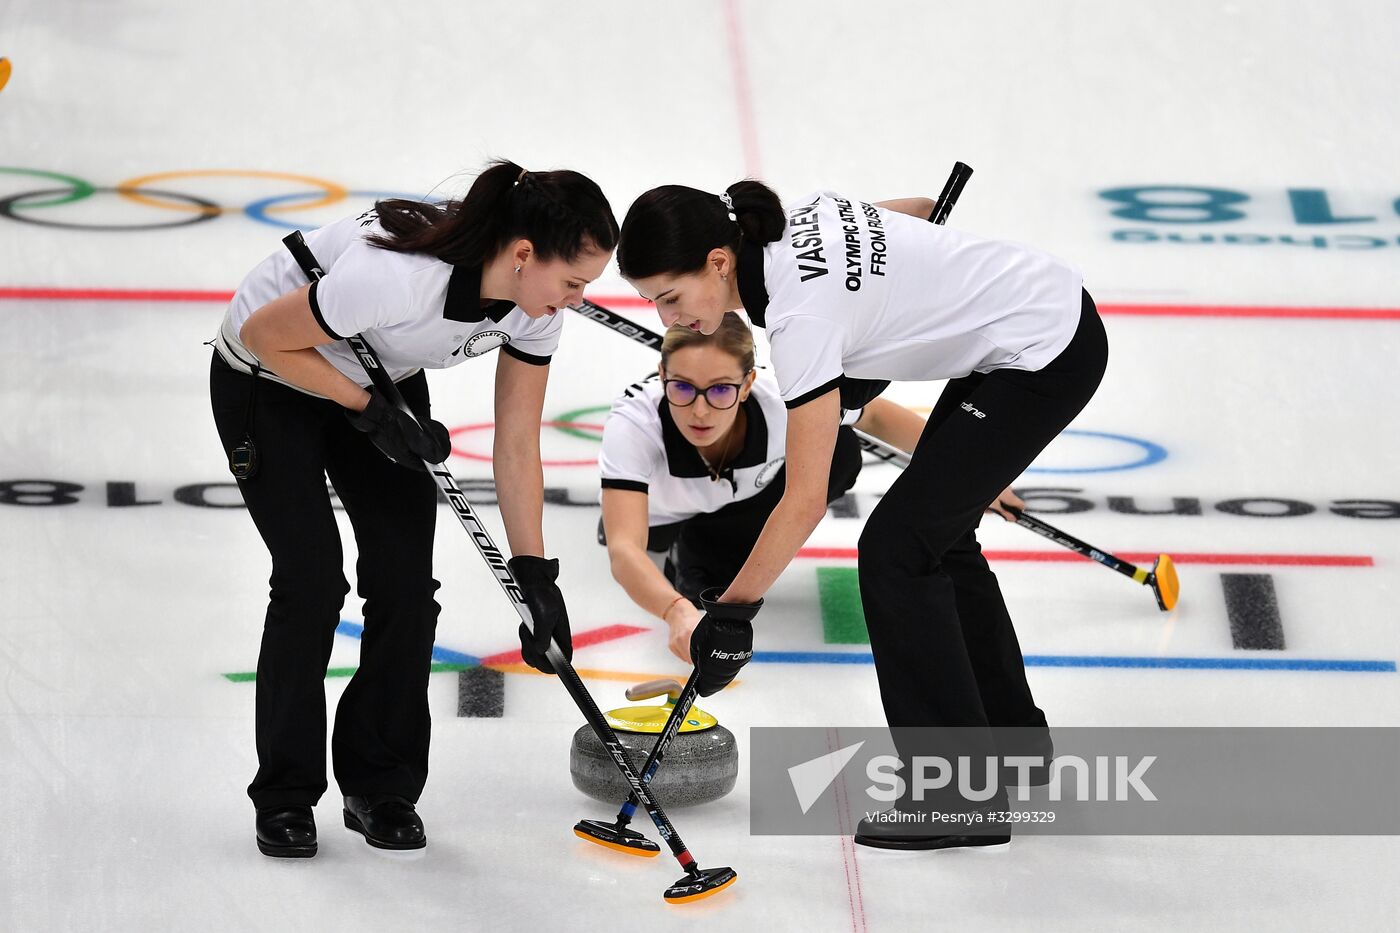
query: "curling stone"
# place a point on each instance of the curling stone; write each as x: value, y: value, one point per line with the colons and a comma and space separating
x: 701, y: 764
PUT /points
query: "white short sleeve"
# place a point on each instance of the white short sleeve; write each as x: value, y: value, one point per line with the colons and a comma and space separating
x: 364, y: 289
x: 538, y: 340
x: 806, y: 354
x: 632, y: 452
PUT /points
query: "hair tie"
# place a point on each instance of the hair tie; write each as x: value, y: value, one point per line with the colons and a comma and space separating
x: 729, y: 206
x: 521, y: 177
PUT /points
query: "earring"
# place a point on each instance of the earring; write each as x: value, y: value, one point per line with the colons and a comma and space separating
x: 517, y: 270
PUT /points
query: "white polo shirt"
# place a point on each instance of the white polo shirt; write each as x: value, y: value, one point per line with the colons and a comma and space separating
x: 416, y: 311
x: 852, y: 290
x: 644, y: 451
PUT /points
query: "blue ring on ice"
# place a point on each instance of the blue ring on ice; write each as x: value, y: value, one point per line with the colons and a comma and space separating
x: 258, y: 209
x: 1151, y: 453
x: 1238, y: 663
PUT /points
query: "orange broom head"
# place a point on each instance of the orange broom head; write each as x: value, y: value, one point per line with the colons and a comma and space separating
x: 692, y: 888
x: 1165, y: 585
x: 608, y: 835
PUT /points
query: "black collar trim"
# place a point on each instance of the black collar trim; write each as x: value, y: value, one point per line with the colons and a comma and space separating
x: 463, y: 302
x: 752, y: 290
x: 685, y: 462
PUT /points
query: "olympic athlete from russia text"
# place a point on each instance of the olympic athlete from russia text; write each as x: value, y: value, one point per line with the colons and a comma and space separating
x: 429, y: 286
x: 852, y: 290
x: 692, y: 465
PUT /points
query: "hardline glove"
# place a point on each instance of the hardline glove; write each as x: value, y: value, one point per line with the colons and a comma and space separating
x: 723, y: 641
x: 398, y: 436
x: 535, y: 577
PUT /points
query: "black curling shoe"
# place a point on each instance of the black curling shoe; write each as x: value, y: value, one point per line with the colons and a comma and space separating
x: 387, y: 821
x: 286, y: 832
x: 876, y: 836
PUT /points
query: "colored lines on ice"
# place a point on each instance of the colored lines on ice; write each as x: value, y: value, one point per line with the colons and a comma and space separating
x: 445, y: 659
x: 53, y: 293
x: 1107, y: 661
x: 510, y: 662
x: 1145, y: 557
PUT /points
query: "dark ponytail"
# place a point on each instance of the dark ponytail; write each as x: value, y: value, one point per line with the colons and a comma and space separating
x: 562, y: 213
x: 671, y: 229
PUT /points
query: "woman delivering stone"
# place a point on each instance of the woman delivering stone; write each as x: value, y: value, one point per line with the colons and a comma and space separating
x: 692, y: 466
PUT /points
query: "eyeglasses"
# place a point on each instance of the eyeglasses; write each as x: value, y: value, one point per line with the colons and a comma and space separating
x: 720, y: 396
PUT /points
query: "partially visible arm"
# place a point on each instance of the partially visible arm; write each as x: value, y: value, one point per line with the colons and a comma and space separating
x: 811, y: 438
x: 891, y: 423
x: 897, y: 425
x: 283, y: 334
x: 1007, y: 497
x: 921, y: 208
x: 625, y: 524
x: 516, y: 453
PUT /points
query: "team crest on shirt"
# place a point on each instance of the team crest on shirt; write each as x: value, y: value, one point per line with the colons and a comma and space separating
x: 483, y: 343
x: 770, y: 470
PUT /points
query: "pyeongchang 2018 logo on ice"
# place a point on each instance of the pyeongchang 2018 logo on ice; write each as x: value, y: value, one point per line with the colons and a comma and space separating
x: 1196, y: 215
x: 1104, y: 778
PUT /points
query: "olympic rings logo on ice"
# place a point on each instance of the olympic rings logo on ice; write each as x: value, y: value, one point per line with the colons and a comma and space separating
x: 179, y: 208
x: 1074, y: 451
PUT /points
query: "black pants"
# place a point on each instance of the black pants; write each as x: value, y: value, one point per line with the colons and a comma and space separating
x: 945, y: 651
x: 380, y: 741
x: 709, y: 550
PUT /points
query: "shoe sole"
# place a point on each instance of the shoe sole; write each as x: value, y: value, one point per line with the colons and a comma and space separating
x: 353, y: 823
x: 273, y: 851
x: 931, y: 843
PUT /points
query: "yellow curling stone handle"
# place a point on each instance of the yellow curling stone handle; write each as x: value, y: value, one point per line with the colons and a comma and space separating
x: 652, y: 719
x: 655, y: 688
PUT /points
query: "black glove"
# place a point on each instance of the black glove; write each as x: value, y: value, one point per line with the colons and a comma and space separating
x: 723, y: 641
x: 536, y: 577
x: 398, y: 436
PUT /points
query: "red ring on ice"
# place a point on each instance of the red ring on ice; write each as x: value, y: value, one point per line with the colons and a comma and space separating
x: 489, y: 425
